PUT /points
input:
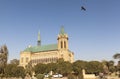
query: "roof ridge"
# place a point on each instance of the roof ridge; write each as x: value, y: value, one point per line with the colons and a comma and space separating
x: 42, y: 48
x: 44, y: 45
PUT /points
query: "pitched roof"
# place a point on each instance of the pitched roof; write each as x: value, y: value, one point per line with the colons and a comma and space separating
x: 41, y: 48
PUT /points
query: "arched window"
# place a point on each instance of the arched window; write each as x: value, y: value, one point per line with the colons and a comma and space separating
x: 27, y: 59
x: 61, y: 44
x: 22, y: 60
x: 64, y: 44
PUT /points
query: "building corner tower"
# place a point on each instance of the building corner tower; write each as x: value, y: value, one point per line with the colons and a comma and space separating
x: 62, y: 40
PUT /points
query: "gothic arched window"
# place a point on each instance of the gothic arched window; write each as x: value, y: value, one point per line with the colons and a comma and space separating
x: 64, y: 44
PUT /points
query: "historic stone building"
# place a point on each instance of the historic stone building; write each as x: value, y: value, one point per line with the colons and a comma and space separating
x: 47, y: 53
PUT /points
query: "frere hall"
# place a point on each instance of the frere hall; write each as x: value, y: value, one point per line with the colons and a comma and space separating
x: 47, y: 53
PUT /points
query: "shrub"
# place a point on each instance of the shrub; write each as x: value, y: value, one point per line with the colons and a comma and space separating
x: 50, y: 77
x: 40, y: 76
x: 80, y: 76
x: 71, y: 76
x: 1, y: 75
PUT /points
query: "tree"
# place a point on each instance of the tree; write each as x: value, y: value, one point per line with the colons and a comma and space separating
x: 105, y: 66
x: 14, y: 61
x: 40, y: 76
x: 9, y: 71
x: 40, y: 68
x: 78, y: 66
x: 64, y: 68
x: 117, y: 56
x: 108, y: 66
x: 51, y: 67
x: 19, y: 71
x: 29, y: 69
x: 3, y: 58
x: 71, y: 76
x: 111, y: 66
x: 94, y: 67
x: 12, y: 70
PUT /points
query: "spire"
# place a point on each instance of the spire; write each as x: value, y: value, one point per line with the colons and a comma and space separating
x: 39, y: 36
x: 62, y: 32
x: 39, y: 41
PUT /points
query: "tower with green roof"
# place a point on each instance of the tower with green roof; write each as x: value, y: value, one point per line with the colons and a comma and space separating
x: 62, y: 40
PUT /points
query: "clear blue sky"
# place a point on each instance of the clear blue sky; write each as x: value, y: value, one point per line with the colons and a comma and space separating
x: 94, y: 34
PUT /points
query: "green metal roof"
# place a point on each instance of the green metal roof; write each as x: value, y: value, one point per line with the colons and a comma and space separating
x: 41, y: 48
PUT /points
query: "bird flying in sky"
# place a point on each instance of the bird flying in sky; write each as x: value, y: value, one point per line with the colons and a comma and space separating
x: 83, y: 8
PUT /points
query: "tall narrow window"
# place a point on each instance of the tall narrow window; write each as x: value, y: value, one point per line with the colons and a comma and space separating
x: 64, y: 44
x: 27, y: 59
x: 22, y: 60
x: 61, y: 44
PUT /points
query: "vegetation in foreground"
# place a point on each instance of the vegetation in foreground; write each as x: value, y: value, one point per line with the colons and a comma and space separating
x: 71, y: 70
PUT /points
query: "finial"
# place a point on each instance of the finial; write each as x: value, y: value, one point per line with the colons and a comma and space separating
x: 39, y: 35
x: 62, y: 30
